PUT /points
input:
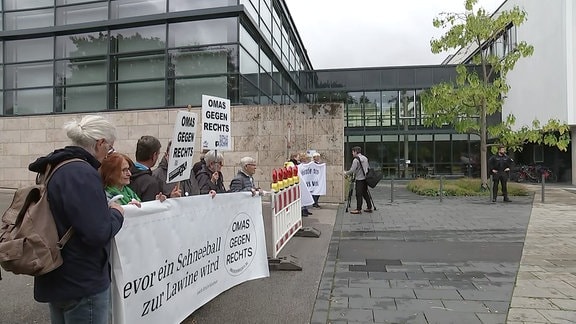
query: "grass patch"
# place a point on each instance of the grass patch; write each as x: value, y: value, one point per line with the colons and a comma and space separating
x: 459, y: 187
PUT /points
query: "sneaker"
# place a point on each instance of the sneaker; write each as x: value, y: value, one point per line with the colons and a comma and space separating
x: 316, y: 206
x: 368, y: 210
x: 355, y: 211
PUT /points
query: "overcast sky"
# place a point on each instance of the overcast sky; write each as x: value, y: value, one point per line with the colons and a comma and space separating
x: 369, y: 33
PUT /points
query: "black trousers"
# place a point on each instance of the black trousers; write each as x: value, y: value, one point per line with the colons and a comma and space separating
x: 501, y: 177
x: 362, y: 193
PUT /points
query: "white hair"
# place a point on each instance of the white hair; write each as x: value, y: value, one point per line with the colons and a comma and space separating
x: 211, y: 157
x: 246, y: 160
x: 89, y: 130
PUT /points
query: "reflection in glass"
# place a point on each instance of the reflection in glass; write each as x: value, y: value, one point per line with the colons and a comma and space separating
x: 29, y: 19
x: 80, y: 71
x: 81, y: 14
x: 252, y: 9
x: 181, y: 5
x: 29, y: 50
x: 248, y: 42
x: 28, y: 102
x: 203, y: 32
x: 372, y: 104
x: 65, y: 2
x: 29, y: 75
x: 190, y: 62
x: 81, y: 45
x: 138, y: 39
x: 249, y: 94
x: 389, y: 107
x: 136, y: 8
x: 26, y: 4
x: 81, y: 99
x: 248, y: 66
x: 190, y: 91
x: 354, y: 109
x: 138, y: 67
x: 140, y: 95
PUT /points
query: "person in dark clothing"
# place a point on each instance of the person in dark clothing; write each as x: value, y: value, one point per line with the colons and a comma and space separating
x: 294, y: 158
x: 198, y: 165
x: 188, y: 187
x: 147, y: 186
x: 500, y: 165
x: 244, y: 180
x: 79, y: 290
x: 210, y: 179
x: 358, y: 171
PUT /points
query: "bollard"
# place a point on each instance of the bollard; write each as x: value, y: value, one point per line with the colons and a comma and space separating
x: 441, y: 187
x: 543, y: 185
x: 392, y: 190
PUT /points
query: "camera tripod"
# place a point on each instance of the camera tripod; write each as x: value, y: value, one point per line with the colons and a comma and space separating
x: 352, y: 183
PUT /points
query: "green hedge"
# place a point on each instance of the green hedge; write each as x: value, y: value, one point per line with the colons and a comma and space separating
x: 459, y: 187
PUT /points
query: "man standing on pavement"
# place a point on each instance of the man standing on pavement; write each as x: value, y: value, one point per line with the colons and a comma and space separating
x: 358, y: 170
x: 499, y: 165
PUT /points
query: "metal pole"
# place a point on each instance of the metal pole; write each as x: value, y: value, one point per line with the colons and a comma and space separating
x: 441, y: 187
x: 392, y: 189
x: 543, y: 186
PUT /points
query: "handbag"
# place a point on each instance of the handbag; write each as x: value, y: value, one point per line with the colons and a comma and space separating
x: 372, y: 176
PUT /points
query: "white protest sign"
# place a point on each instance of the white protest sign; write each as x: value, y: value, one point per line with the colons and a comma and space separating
x: 216, y: 130
x: 182, y: 149
x: 171, y: 258
x: 314, y: 176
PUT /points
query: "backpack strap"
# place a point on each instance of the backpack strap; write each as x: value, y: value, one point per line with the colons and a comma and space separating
x: 361, y: 166
x: 48, y: 175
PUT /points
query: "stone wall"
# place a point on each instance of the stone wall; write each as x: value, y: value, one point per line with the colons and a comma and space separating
x: 267, y: 133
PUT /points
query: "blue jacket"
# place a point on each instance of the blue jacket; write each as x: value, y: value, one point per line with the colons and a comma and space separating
x: 77, y: 199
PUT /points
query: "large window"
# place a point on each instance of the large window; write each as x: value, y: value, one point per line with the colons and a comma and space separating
x: 204, y: 32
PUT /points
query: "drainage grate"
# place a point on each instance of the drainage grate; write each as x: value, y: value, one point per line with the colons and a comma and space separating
x: 374, y: 265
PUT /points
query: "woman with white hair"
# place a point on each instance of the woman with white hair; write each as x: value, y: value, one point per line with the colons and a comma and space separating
x: 79, y: 290
x: 244, y: 179
x: 210, y: 179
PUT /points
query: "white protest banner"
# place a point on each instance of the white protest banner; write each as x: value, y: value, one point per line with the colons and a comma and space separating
x: 314, y: 176
x: 216, y: 130
x: 171, y: 258
x: 182, y: 149
x: 305, y: 195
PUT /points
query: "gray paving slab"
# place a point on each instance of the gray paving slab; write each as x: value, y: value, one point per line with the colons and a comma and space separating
x: 429, y: 261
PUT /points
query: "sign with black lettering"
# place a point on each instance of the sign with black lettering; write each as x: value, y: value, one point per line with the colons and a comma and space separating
x: 182, y: 149
x: 216, y: 130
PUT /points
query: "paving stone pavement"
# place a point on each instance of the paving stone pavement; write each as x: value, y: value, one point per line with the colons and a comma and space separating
x: 421, y: 260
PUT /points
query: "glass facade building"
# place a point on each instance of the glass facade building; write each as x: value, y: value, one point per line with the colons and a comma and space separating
x: 91, y: 55
x: 71, y: 56
x: 384, y: 116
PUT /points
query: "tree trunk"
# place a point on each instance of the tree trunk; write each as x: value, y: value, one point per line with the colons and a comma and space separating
x: 483, y: 147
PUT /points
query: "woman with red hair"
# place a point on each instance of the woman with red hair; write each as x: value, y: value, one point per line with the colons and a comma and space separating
x: 115, y: 173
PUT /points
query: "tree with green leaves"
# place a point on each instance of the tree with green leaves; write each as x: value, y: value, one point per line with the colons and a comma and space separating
x: 480, y: 87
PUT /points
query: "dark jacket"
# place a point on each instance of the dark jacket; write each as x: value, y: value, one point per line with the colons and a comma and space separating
x: 242, y: 182
x: 499, y: 162
x: 189, y: 186
x: 144, y: 184
x: 198, y: 166
x: 77, y: 199
x: 205, y: 183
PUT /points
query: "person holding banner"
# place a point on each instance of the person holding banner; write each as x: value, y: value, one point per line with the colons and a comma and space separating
x: 316, y: 159
x: 210, y: 179
x: 144, y: 184
x: 115, y: 173
x: 188, y: 187
x: 244, y: 179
